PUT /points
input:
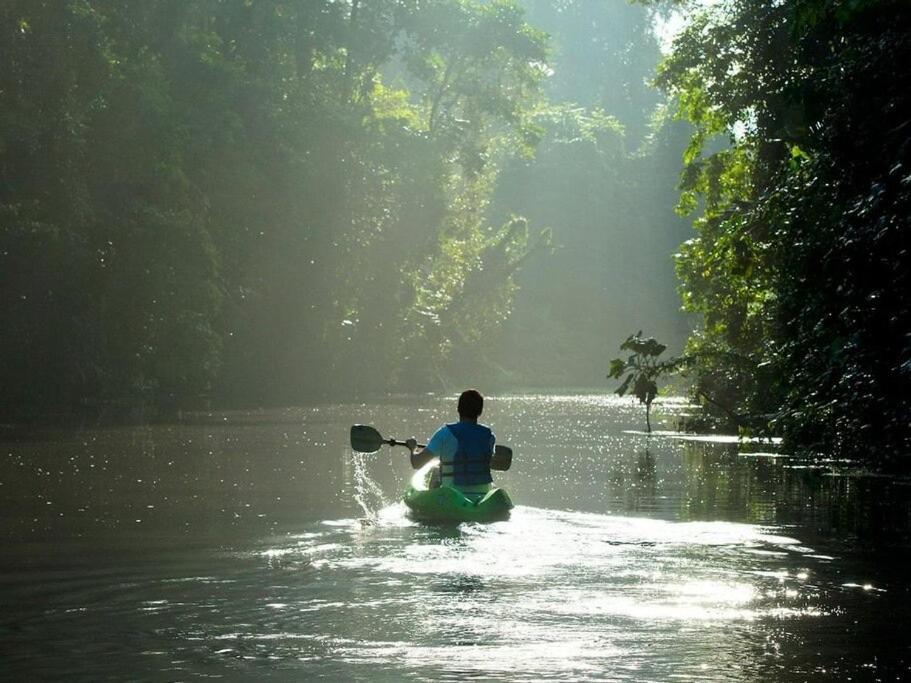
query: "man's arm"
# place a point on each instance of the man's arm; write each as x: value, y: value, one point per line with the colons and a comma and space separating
x: 435, y: 448
x: 419, y: 458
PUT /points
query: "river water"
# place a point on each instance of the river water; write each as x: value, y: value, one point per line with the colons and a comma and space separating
x: 256, y: 545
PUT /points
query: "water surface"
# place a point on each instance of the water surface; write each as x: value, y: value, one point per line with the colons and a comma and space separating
x: 257, y: 545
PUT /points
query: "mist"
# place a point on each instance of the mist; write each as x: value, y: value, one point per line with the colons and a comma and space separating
x: 212, y: 204
x: 265, y: 203
x: 505, y: 340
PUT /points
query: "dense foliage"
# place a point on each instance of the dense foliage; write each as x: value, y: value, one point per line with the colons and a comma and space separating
x: 265, y: 199
x: 801, y: 165
x: 268, y: 201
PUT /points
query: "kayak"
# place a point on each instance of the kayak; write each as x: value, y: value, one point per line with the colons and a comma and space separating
x: 448, y: 504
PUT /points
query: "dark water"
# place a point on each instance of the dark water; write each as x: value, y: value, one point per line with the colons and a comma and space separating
x: 247, y: 546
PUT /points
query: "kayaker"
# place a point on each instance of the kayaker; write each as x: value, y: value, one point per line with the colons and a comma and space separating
x: 464, y: 448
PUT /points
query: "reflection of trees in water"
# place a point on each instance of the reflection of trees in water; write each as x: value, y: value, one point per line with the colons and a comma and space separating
x: 635, y: 483
x: 721, y: 484
x: 644, y: 491
x: 645, y: 469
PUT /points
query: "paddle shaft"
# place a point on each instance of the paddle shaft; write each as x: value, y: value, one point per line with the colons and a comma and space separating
x: 393, y: 442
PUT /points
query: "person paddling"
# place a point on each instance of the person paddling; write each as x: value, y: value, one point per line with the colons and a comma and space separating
x: 464, y: 448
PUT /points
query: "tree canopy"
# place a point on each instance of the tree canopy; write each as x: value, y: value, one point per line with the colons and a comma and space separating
x: 799, y: 173
x: 269, y: 201
x: 262, y: 200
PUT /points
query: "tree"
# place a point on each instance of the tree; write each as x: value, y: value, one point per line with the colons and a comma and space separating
x: 642, y: 369
x: 234, y: 197
x: 798, y: 163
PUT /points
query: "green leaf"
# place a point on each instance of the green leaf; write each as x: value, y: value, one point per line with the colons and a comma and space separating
x: 617, y: 366
x: 622, y: 389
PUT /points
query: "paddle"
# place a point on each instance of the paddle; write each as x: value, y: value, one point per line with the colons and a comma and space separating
x: 366, y: 439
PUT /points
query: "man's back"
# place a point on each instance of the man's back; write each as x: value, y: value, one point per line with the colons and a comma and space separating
x: 464, y: 449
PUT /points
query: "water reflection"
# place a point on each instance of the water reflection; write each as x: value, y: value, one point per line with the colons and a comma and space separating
x: 551, y: 593
x: 264, y: 548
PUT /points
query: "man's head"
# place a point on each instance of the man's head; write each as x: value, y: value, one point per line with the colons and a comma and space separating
x: 471, y: 404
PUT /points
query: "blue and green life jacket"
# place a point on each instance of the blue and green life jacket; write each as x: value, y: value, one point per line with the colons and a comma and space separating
x: 471, y: 464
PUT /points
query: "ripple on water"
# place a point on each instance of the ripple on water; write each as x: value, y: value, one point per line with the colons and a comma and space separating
x: 231, y: 574
x: 555, y: 593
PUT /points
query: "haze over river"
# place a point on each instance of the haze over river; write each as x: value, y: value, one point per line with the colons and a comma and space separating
x: 256, y: 545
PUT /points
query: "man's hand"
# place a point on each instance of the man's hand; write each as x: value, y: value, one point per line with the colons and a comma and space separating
x: 421, y: 458
x: 411, y: 444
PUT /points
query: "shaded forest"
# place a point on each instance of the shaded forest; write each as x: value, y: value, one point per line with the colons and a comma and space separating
x: 799, y: 179
x: 265, y: 202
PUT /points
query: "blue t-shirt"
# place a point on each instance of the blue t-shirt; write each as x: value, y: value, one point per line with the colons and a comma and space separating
x: 443, y: 444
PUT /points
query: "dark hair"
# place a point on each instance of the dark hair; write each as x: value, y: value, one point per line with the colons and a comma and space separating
x: 471, y: 404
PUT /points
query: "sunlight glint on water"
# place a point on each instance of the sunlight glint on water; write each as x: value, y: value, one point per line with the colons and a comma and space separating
x: 553, y: 591
x: 257, y: 546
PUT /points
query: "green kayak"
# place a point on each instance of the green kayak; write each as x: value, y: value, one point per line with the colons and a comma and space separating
x: 448, y: 504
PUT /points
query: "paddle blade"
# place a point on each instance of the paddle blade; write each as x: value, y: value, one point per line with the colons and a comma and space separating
x: 501, y: 459
x: 365, y: 439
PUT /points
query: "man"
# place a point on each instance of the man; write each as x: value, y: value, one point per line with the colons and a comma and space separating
x: 464, y: 448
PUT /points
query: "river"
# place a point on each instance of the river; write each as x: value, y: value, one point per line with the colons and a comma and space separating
x: 256, y: 545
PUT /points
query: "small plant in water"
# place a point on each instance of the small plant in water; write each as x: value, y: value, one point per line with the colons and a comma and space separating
x: 643, y: 368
